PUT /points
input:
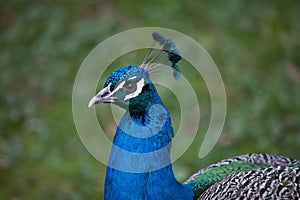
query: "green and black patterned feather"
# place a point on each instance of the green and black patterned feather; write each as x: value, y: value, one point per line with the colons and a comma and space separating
x: 260, y: 176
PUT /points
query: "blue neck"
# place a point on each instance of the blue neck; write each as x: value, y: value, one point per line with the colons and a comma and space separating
x: 139, y: 165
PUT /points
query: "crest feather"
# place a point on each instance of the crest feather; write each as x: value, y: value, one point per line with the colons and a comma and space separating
x: 166, y: 51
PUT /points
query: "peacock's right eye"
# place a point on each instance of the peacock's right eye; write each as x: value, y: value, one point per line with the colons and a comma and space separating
x: 130, y: 86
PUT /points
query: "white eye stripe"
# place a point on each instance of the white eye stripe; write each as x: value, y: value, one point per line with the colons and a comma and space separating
x: 132, y: 78
x: 139, y: 86
x: 117, y: 88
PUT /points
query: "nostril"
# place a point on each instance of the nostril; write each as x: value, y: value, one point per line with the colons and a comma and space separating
x: 104, y: 94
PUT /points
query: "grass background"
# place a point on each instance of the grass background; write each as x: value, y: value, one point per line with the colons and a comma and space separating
x: 255, y: 45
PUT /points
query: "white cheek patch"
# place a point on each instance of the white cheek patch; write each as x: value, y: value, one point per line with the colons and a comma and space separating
x: 139, y: 87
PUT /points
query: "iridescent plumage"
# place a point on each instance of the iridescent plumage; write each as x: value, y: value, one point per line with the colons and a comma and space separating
x: 131, y: 176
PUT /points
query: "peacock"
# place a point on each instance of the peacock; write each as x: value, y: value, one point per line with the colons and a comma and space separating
x: 139, y: 165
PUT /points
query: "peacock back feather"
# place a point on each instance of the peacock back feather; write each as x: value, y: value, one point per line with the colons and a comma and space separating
x: 246, y: 171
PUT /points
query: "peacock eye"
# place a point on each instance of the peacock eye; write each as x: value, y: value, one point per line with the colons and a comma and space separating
x: 130, y: 86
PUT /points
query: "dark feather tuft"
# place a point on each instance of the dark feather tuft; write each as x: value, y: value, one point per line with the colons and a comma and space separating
x: 170, y: 48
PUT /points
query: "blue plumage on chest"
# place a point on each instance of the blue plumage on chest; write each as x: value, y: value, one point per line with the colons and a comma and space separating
x: 139, y: 165
x: 159, y: 184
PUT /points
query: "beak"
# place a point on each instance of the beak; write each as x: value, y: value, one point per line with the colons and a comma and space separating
x: 104, y: 96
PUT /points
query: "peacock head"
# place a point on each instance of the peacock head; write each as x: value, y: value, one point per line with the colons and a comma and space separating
x: 130, y: 86
x: 124, y: 86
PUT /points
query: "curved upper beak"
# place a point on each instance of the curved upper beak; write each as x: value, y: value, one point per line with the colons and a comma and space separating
x: 104, y: 96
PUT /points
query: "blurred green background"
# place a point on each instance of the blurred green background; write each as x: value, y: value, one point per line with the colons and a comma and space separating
x: 255, y: 44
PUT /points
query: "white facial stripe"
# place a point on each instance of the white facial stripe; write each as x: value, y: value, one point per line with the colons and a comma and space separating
x: 132, y: 78
x: 117, y: 89
x: 139, y: 87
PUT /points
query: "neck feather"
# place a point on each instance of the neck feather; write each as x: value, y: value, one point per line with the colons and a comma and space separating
x: 139, y: 165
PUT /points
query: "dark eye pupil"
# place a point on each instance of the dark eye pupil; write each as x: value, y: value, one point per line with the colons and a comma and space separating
x: 130, y: 86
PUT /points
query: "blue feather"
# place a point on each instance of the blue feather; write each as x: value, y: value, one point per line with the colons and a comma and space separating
x: 124, y: 184
x: 140, y: 165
